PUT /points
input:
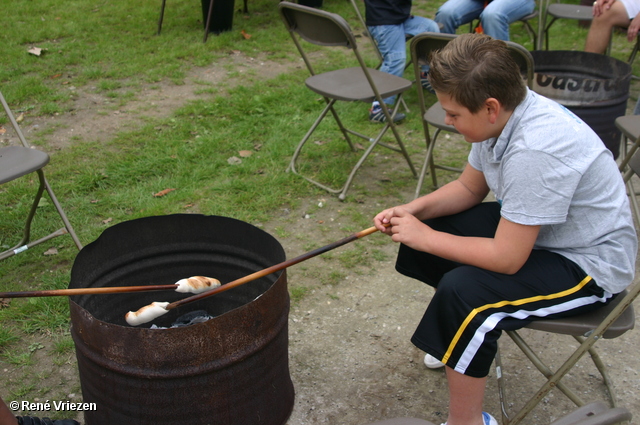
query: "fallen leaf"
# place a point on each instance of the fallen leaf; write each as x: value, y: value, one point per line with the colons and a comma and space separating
x: 4, y: 302
x: 2, y: 130
x: 319, y: 142
x: 234, y: 160
x: 93, y: 201
x: 257, y: 146
x: 245, y: 35
x: 51, y: 251
x: 37, y: 51
x: 359, y: 146
x: 188, y: 206
x: 163, y: 192
x: 245, y: 154
x: 107, y: 221
x: 53, y: 77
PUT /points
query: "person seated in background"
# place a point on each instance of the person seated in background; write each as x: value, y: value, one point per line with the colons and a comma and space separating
x: 390, y: 23
x: 7, y: 418
x: 608, y: 14
x: 495, y: 15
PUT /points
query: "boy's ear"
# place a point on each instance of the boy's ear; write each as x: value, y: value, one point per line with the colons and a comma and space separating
x: 493, y: 107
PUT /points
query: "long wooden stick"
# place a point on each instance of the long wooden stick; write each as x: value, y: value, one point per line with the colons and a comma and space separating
x: 272, y: 269
x: 87, y: 291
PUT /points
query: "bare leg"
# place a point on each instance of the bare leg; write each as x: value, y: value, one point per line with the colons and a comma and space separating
x: 466, y: 395
x: 6, y: 417
x: 601, y: 26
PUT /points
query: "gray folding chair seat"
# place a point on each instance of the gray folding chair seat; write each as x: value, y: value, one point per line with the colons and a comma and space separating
x: 421, y: 47
x: 354, y: 84
x: 560, y: 11
x: 19, y: 161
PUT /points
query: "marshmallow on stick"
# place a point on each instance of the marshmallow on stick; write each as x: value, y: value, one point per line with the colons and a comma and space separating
x: 146, y: 313
x: 197, y: 284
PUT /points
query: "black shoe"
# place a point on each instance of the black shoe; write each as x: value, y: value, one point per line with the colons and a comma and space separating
x: 424, y: 82
x: 376, y: 115
x: 29, y: 420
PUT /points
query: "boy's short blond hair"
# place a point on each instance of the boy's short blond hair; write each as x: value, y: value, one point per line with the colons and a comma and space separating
x: 474, y: 67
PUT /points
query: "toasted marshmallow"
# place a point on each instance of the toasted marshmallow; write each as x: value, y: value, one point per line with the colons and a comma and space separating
x: 197, y: 284
x: 146, y: 313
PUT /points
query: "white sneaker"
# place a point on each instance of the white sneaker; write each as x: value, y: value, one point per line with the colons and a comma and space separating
x: 431, y: 362
x: 487, y: 419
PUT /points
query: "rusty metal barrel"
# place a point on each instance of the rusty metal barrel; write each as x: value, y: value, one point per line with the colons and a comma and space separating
x: 232, y: 369
x: 594, y: 87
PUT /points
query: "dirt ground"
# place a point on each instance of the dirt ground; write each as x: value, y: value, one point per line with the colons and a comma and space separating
x: 351, y: 360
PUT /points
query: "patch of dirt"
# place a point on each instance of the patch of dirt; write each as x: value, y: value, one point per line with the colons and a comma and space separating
x: 351, y: 360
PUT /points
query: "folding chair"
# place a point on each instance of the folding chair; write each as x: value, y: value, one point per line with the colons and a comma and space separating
x: 610, y: 321
x: 596, y: 413
x: 18, y: 161
x: 421, y: 47
x: 358, y: 83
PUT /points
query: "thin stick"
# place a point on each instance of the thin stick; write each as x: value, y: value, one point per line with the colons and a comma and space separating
x: 272, y: 269
x: 87, y: 291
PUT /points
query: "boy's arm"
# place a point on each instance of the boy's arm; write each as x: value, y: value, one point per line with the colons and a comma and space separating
x: 459, y: 195
x: 505, y: 253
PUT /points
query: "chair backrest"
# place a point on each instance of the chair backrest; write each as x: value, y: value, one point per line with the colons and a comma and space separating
x: 423, y: 44
x: 317, y: 26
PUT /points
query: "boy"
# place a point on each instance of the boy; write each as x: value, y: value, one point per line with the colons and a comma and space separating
x: 558, y: 241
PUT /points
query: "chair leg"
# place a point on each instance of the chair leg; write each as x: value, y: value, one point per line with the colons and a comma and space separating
x: 373, y: 142
x: 206, y: 27
x: 63, y: 216
x: 32, y: 212
x: 428, y: 163
x: 554, y: 378
x: 161, y: 15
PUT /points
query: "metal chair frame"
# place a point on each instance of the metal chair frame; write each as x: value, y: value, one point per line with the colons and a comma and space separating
x: 421, y: 46
x: 359, y: 83
x: 610, y: 321
x: 33, y: 161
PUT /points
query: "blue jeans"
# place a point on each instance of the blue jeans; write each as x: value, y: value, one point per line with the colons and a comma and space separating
x: 495, y: 18
x: 391, y: 40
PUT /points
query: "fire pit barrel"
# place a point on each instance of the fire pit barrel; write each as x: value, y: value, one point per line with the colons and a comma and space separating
x: 594, y: 87
x: 229, y: 370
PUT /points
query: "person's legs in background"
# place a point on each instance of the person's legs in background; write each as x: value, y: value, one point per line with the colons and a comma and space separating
x: 391, y: 43
x: 454, y: 13
x: 416, y: 25
x: 499, y: 14
x: 601, y: 26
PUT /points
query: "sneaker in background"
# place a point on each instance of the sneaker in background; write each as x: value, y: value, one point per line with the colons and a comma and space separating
x: 424, y: 82
x: 376, y: 115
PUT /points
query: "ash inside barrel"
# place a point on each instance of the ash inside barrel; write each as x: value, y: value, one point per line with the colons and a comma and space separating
x: 187, y: 319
